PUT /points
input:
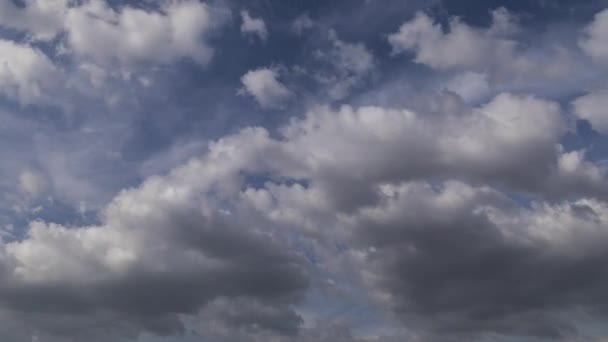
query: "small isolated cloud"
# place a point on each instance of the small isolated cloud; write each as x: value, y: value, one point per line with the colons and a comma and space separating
x: 253, y: 26
x: 266, y: 89
x: 302, y: 23
x: 351, y: 65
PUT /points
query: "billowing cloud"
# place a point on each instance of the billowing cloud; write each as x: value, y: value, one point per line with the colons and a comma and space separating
x: 266, y: 89
x: 162, y: 251
x: 132, y: 35
x: 364, y: 198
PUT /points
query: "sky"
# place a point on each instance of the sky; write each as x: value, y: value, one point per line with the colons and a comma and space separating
x: 298, y: 171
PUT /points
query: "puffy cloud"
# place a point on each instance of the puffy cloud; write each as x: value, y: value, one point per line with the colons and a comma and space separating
x: 265, y: 88
x: 212, y: 246
x: 595, y: 41
x: 253, y: 26
x: 163, y: 251
x: 41, y: 19
x: 459, y: 260
x: 460, y: 46
x: 132, y: 35
x: 26, y: 74
x: 498, y: 52
x: 593, y: 107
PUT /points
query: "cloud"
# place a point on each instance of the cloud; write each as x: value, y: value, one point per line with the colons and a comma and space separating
x: 499, y: 52
x: 253, y: 26
x: 183, y: 245
x: 26, y: 74
x: 595, y: 40
x: 130, y: 35
x: 41, y: 19
x: 302, y: 23
x: 212, y: 246
x: 460, y: 46
x: 459, y: 260
x: 350, y: 66
x: 33, y: 184
x: 265, y: 88
x: 593, y: 108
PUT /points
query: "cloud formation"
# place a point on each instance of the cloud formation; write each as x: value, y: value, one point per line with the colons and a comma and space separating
x: 384, y: 172
x: 253, y: 26
x: 266, y: 89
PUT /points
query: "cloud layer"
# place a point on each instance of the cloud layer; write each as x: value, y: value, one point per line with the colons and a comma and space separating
x: 185, y: 170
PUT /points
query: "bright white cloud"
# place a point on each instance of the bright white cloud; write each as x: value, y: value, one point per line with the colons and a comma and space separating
x: 131, y: 35
x: 266, y: 89
x: 253, y: 26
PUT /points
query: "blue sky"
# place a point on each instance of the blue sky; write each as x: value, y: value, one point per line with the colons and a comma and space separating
x: 292, y: 171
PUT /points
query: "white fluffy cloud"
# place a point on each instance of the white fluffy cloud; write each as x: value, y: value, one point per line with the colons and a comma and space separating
x: 595, y: 42
x: 461, y: 46
x: 496, y: 54
x: 132, y: 35
x: 253, y: 26
x: 26, y: 74
x: 266, y: 89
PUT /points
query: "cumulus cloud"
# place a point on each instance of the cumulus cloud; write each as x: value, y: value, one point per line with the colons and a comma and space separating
x: 132, y: 35
x: 210, y: 245
x: 498, y: 52
x: 253, y: 26
x: 461, y: 260
x: 460, y: 46
x: 162, y: 251
x: 595, y: 40
x: 26, y: 74
x: 266, y: 89
x: 41, y: 19
x: 593, y: 107
x: 475, y: 217
x: 178, y: 29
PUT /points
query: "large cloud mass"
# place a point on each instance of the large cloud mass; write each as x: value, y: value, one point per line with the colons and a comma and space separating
x: 436, y: 178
